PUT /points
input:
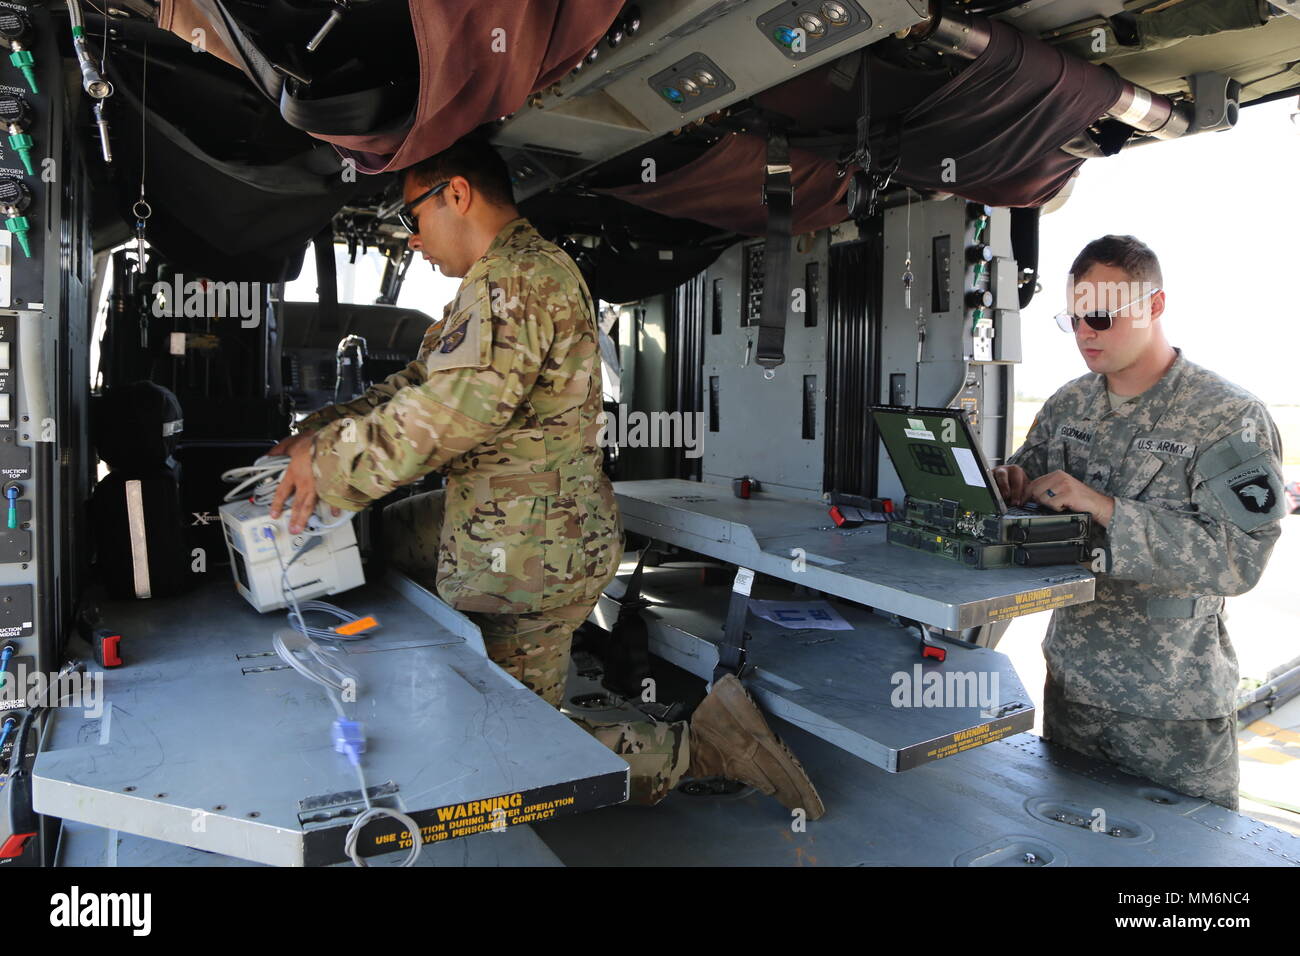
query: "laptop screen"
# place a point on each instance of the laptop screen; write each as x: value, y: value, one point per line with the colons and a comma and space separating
x: 936, y: 457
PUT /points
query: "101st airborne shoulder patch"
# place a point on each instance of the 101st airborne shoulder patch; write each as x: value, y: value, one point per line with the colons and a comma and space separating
x: 466, y: 335
x: 1247, y: 484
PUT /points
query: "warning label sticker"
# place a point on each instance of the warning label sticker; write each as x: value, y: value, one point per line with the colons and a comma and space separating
x: 489, y: 814
x: 967, y: 739
x: 1030, y: 602
x: 463, y: 819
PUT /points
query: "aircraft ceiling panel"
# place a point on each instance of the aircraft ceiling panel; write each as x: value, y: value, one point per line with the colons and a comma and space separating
x: 628, y: 110
x: 1252, y: 57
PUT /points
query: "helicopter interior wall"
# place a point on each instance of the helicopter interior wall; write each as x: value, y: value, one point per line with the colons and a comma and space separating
x: 937, y: 240
x: 851, y: 341
x: 771, y: 429
x: 801, y: 433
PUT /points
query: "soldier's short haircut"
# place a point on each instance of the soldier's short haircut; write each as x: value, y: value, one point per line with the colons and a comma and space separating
x: 1126, y: 252
x: 475, y: 159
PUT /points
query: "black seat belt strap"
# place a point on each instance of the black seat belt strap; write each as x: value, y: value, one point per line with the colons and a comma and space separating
x: 868, y: 181
x: 327, y: 282
x: 778, y: 196
x: 733, y: 654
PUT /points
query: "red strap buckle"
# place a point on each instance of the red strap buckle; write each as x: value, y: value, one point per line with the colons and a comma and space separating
x: 108, y: 651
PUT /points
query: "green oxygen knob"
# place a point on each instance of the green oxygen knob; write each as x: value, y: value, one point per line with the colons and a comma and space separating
x: 16, y: 31
x: 15, y: 197
x: 16, y: 116
x: 25, y: 62
x: 21, y: 143
x: 19, y: 226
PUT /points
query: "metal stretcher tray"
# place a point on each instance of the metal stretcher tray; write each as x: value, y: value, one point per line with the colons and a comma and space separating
x: 796, y: 540
x: 206, y: 739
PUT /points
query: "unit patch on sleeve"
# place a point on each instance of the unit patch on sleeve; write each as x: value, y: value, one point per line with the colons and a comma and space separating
x: 1251, y: 493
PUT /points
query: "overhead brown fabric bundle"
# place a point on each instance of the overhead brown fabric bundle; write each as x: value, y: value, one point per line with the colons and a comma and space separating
x: 1001, y: 122
x: 479, y: 60
x: 724, y: 188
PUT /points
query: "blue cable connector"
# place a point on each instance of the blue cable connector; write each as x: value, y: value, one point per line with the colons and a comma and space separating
x: 349, y: 739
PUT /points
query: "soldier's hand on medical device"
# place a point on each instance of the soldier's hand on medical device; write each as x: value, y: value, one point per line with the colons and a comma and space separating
x: 298, y: 481
x: 287, y: 445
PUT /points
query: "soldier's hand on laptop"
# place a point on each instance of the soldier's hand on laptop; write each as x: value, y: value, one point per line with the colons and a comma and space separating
x: 1012, y: 482
x: 1060, y: 491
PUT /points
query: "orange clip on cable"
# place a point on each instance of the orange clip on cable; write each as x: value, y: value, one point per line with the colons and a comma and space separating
x: 356, y: 627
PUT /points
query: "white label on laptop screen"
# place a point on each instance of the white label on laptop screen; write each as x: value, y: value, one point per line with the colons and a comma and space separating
x: 970, y: 468
x: 917, y: 429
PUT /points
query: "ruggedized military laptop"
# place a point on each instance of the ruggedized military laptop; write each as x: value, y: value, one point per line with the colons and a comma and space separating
x: 953, y: 507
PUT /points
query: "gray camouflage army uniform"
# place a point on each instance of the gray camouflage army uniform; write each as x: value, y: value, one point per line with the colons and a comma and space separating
x: 1144, y: 675
x: 503, y: 398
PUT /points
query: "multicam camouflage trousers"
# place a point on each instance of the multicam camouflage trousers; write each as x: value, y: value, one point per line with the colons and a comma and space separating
x: 1195, y: 757
x: 534, y: 649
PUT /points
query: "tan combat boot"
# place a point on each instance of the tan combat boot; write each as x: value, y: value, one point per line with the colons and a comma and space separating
x: 730, y: 738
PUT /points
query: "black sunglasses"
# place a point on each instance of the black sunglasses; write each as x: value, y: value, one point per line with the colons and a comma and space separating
x: 1101, y: 319
x: 406, y: 214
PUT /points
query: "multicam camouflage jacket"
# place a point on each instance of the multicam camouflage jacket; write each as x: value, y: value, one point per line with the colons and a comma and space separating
x: 503, y: 397
x: 1193, y: 466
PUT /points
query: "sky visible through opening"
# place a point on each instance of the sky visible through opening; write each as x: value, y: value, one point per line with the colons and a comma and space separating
x: 1222, y: 213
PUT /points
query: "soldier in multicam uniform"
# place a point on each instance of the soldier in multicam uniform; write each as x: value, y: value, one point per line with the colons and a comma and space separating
x: 503, y: 398
x: 1179, y: 469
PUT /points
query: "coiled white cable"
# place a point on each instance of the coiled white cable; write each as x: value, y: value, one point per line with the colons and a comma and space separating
x: 318, y: 667
x: 263, y: 477
x: 372, y: 812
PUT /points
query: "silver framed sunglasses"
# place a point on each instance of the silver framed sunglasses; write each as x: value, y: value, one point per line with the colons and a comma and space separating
x: 1099, y: 319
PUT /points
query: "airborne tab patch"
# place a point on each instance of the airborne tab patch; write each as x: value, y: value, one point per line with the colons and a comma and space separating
x: 1254, y: 490
x: 1250, y: 491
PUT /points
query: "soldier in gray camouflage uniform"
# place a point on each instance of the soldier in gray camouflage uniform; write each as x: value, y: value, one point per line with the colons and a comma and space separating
x: 503, y: 399
x: 1180, y: 470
